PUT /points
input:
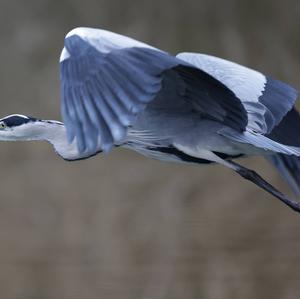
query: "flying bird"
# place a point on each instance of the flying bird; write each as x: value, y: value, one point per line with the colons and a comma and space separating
x: 191, y: 108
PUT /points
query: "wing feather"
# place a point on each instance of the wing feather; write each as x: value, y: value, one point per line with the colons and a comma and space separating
x: 108, y: 79
x: 266, y: 100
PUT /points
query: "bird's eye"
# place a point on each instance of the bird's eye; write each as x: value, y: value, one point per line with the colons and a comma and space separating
x: 2, y: 126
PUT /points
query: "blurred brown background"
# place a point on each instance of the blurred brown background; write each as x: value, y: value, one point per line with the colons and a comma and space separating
x: 123, y: 226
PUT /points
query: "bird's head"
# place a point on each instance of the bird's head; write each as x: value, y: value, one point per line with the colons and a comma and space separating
x: 16, y: 127
x: 20, y: 127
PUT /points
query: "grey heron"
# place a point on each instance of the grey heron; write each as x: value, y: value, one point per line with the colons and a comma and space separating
x: 192, y: 108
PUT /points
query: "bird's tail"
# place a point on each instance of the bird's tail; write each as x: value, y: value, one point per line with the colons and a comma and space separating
x: 288, y: 132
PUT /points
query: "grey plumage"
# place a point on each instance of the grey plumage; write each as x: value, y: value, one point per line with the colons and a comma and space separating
x: 189, y: 108
x: 186, y: 108
x: 105, y: 92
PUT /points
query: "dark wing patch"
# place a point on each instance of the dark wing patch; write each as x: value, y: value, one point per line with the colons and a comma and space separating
x: 278, y: 98
x: 212, y: 98
x: 288, y: 130
x: 266, y: 100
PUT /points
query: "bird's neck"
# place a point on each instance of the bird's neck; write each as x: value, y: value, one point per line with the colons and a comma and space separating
x: 55, y: 133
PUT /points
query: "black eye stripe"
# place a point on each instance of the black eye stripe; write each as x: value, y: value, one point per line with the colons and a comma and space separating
x: 16, y: 120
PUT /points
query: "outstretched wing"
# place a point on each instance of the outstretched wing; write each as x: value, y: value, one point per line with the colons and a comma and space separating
x: 266, y: 100
x: 107, y: 79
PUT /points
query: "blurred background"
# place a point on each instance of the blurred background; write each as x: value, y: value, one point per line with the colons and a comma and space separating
x: 121, y: 225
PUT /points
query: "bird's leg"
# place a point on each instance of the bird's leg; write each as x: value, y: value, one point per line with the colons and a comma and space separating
x: 255, y: 178
x: 246, y: 173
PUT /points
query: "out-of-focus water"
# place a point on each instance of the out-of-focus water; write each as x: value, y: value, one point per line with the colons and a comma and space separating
x: 121, y: 225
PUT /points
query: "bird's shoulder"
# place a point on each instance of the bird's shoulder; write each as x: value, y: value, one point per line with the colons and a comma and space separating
x: 103, y: 41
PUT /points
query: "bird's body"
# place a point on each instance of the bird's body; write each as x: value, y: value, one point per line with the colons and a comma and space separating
x: 202, y: 135
x: 191, y: 108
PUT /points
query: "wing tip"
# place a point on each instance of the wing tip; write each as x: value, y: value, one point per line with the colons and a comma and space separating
x: 64, y: 55
x: 282, y: 87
